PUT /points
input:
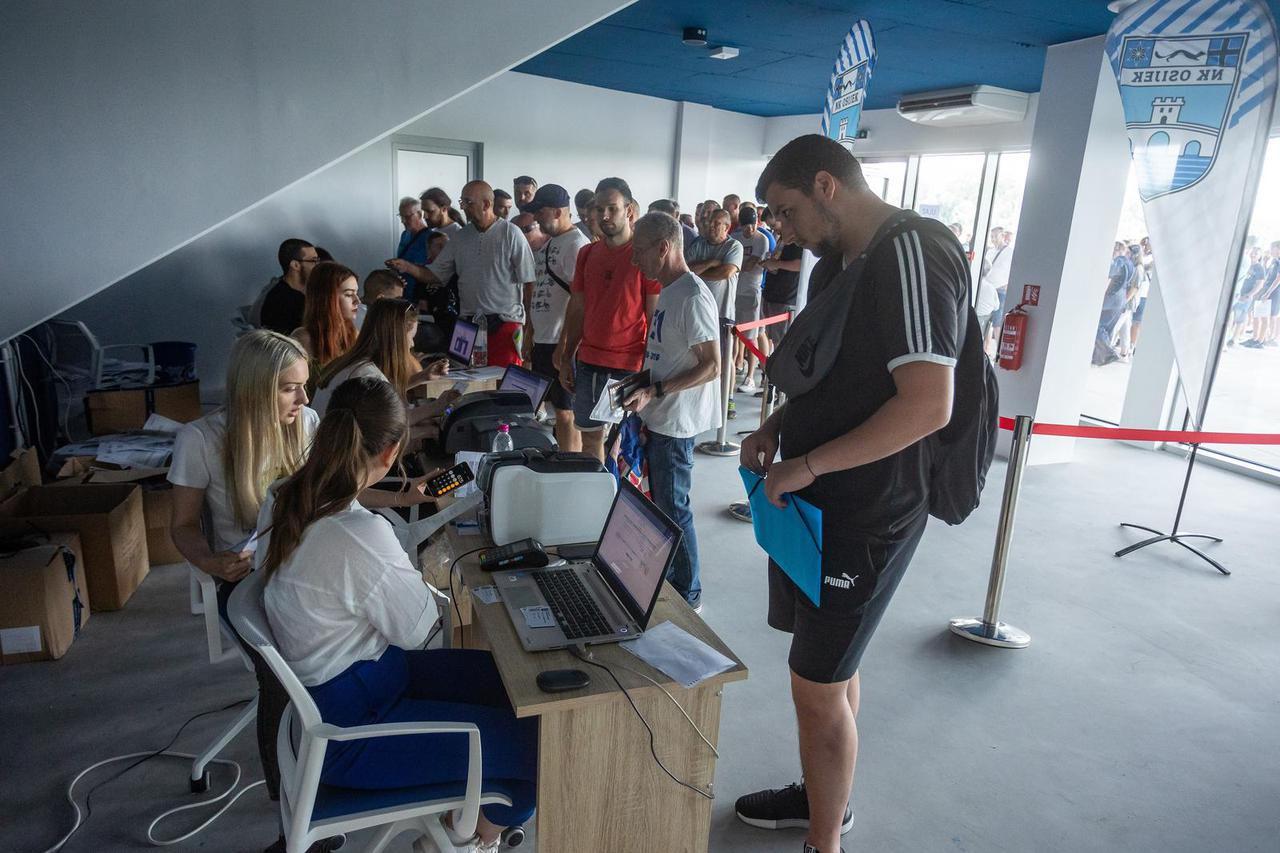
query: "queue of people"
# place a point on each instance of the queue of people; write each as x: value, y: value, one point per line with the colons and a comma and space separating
x: 584, y: 302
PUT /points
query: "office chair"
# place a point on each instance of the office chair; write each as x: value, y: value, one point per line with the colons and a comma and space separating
x: 309, y: 809
x: 78, y: 356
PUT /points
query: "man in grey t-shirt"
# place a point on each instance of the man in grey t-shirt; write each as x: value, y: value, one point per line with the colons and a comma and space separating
x: 493, y: 262
x: 716, y: 258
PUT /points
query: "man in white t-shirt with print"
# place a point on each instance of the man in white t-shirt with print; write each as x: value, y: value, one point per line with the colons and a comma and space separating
x: 547, y: 298
x: 682, y: 356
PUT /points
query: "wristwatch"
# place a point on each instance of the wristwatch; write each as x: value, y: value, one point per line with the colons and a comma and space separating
x: 658, y: 390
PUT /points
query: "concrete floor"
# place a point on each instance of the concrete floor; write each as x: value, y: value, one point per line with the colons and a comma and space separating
x: 1145, y: 716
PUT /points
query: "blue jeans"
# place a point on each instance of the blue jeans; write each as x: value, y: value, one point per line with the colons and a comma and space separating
x: 425, y: 685
x: 670, y: 476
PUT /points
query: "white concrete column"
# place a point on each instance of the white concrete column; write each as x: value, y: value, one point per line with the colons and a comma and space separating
x: 692, y: 154
x: 1070, y: 212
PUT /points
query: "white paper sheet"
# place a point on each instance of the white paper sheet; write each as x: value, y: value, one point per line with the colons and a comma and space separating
x: 21, y: 641
x: 679, y: 654
x: 159, y: 423
x: 485, y: 594
x: 472, y: 458
x: 604, y: 410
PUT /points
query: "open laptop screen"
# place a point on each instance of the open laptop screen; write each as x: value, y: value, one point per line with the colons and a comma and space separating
x: 533, y: 385
x: 636, y: 548
x: 463, y: 340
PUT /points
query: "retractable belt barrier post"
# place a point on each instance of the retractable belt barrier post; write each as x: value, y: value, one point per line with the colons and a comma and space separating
x: 721, y: 446
x: 989, y: 630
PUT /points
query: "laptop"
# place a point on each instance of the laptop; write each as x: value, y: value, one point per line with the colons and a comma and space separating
x: 462, y: 343
x: 534, y: 385
x: 602, y: 600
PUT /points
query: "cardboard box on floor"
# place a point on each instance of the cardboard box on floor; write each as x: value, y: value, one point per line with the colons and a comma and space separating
x: 157, y: 500
x: 113, y: 532
x: 43, y: 602
x: 22, y: 469
x: 112, y: 410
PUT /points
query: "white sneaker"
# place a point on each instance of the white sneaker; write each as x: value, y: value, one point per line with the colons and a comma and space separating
x: 749, y: 386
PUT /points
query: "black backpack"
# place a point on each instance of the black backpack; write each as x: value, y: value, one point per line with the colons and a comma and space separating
x: 963, y: 449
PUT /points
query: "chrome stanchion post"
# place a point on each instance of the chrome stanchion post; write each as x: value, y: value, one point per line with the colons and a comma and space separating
x: 989, y: 630
x: 721, y: 446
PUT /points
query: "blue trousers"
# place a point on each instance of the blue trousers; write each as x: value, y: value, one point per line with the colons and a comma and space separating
x: 670, y: 478
x: 454, y: 685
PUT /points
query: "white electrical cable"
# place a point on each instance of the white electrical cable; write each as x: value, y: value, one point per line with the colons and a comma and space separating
x: 66, y: 408
x: 158, y: 842
x: 673, y: 702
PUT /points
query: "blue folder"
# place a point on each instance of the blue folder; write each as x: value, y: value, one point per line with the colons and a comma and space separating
x: 792, y: 536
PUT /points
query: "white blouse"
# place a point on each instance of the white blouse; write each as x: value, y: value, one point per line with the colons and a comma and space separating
x: 345, y: 593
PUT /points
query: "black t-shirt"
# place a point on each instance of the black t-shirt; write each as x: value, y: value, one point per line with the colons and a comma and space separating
x: 782, y: 287
x: 910, y: 304
x: 282, y: 309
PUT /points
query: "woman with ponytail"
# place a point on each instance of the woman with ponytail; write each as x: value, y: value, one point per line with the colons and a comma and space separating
x: 350, y: 613
x: 328, y: 320
x: 384, y: 350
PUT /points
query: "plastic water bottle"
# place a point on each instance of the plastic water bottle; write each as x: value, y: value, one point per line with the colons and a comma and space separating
x: 480, y: 355
x: 502, y: 439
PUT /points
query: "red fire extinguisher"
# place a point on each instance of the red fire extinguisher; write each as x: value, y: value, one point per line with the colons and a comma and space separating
x: 1013, y: 337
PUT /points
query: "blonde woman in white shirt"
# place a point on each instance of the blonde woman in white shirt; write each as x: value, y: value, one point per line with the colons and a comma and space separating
x: 350, y: 613
x: 222, y: 466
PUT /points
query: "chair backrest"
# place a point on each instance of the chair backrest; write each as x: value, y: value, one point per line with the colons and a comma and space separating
x: 249, y: 616
x: 75, y: 348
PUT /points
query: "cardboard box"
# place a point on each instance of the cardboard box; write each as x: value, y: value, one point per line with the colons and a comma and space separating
x: 113, y: 532
x: 112, y: 410
x: 22, y: 469
x: 157, y: 510
x: 43, y: 602
x: 157, y: 500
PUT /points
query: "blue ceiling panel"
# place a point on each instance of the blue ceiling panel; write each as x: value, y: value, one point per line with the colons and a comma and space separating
x: 787, y: 49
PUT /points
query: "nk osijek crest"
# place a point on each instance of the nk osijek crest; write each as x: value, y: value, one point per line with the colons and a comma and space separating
x: 848, y: 88
x: 1197, y: 84
x: 1178, y: 93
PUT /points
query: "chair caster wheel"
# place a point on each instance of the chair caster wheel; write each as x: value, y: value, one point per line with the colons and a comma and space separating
x: 199, y: 786
x: 513, y: 836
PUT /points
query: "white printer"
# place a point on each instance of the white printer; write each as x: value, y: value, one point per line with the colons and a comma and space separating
x: 556, y: 498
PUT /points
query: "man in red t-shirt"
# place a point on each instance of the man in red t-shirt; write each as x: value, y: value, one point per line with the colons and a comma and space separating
x: 607, y: 320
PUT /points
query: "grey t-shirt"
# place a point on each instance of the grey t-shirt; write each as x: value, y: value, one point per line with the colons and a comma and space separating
x: 492, y: 267
x: 752, y: 247
x: 729, y: 252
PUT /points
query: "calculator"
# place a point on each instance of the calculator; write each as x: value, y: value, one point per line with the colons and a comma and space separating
x: 450, y: 480
x: 524, y: 554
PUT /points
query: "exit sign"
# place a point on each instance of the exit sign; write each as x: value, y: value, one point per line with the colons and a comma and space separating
x: 1030, y: 294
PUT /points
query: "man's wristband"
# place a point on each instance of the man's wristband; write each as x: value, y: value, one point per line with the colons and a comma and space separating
x: 658, y: 390
x: 808, y: 466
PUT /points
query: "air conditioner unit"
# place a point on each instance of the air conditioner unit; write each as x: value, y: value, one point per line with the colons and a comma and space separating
x: 967, y: 106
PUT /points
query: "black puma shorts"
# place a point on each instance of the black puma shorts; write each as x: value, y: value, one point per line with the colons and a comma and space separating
x: 858, y: 579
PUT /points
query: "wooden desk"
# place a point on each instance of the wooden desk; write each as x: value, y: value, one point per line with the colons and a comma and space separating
x: 598, y: 785
x: 436, y: 387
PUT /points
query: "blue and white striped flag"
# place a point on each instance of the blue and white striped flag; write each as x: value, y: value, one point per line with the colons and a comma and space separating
x: 1197, y: 81
x: 848, y: 89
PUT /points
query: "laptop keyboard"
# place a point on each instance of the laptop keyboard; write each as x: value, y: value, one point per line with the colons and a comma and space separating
x: 574, y: 609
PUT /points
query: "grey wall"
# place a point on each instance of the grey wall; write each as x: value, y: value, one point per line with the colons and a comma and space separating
x: 134, y: 126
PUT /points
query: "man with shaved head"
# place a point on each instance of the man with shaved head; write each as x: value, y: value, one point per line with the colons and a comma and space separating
x: 493, y: 262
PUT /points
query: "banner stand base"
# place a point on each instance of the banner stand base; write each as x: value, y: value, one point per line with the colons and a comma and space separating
x: 1176, y: 536
x: 717, y: 448
x: 741, y: 511
x: 999, y: 635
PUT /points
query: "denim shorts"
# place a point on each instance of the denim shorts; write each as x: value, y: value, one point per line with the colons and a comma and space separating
x: 588, y: 384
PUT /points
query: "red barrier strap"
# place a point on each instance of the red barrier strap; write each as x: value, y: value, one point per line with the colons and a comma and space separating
x: 767, y: 321
x: 754, y: 349
x: 1118, y: 434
